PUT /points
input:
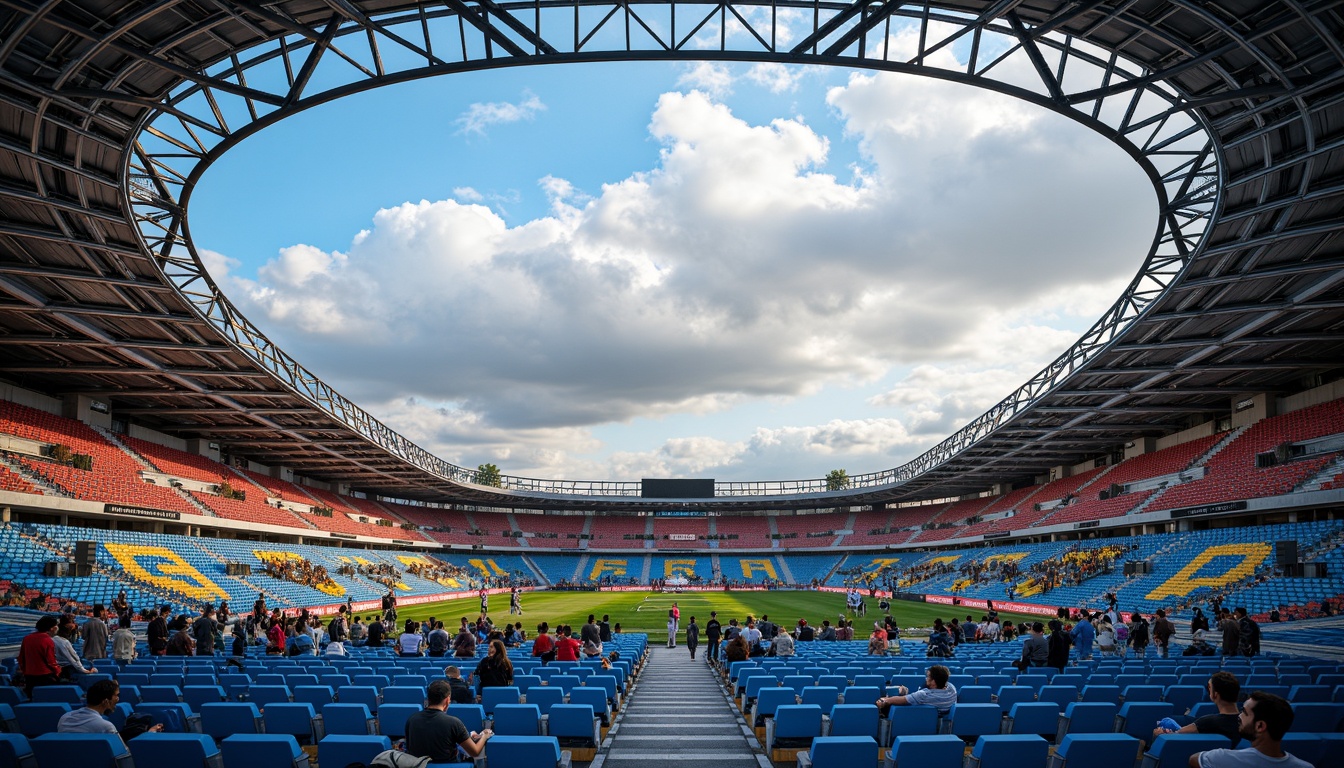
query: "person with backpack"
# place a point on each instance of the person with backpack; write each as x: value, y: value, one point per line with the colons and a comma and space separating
x: 439, y: 641
x: 1058, y: 644
x: 464, y: 644
x: 157, y: 633
x: 1122, y: 639
x: 1138, y: 634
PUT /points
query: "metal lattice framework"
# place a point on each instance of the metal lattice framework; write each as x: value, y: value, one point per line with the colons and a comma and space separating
x: 1232, y: 109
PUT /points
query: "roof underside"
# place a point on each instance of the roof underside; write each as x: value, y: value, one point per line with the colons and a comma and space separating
x: 83, y: 310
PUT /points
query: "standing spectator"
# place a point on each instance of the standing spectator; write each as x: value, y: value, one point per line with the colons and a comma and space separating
x: 1059, y: 643
x: 1248, y: 644
x: 157, y: 633
x: 122, y: 608
x: 1083, y: 634
x: 377, y: 632
x: 275, y: 637
x: 671, y: 628
x: 95, y: 635
x: 692, y: 637
x: 713, y: 631
x: 1106, y: 637
x: 203, y: 632
x: 123, y: 644
x: 222, y: 615
x: 515, y: 602
x: 358, y: 632
x: 495, y: 670
x: 1231, y: 633
x: 1163, y: 629
x: 782, y: 646
x: 1198, y: 621
x: 435, y: 734
x: 591, y: 633
x: 37, y: 655
x: 604, y: 629
x: 1138, y: 634
x: 1035, y: 648
x: 1264, y: 719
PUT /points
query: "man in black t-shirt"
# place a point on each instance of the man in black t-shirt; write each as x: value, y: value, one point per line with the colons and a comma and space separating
x: 713, y: 632
x: 375, y: 632
x: 435, y: 734
x: 1223, y: 692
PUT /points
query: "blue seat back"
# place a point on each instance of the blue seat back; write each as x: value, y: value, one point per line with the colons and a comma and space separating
x: 1097, y: 750
x: 37, y: 718
x: 173, y: 750
x: 471, y: 715
x: 56, y: 694
x: 517, y: 720
x: 403, y: 694
x: 522, y: 752
x: 358, y: 694
x: 1139, y: 718
x: 263, y: 750
x: 571, y: 722
x: 927, y: 751
x: 347, y: 720
x: 547, y: 697
x: 1173, y: 750
x: 1093, y: 717
x: 968, y: 720
x: 1040, y: 718
x: 1316, y: 718
x: 842, y: 751
x: 392, y: 718
x: 497, y: 695
x: 855, y: 720
x: 1010, y: 750
x: 295, y: 719
x: 798, y: 721
x: 87, y: 750
x: 227, y: 718
x: 913, y: 721
x: 341, y: 749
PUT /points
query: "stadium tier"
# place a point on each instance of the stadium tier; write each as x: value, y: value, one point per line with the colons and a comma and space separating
x: 1294, y: 453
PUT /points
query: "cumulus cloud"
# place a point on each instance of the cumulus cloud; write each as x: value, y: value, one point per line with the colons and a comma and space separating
x: 482, y: 115
x: 778, y: 78
x: 970, y: 247
x: 707, y: 76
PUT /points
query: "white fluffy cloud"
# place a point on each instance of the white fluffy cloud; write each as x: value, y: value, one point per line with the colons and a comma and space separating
x: 965, y: 251
x: 482, y: 115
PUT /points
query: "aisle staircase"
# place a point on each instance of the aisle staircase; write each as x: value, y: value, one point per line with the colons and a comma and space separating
x: 678, y: 715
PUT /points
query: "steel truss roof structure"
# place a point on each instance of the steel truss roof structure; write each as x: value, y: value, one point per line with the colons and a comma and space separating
x: 111, y: 111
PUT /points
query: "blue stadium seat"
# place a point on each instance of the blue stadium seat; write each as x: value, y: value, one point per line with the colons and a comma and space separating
x: 1096, y: 750
x: 971, y: 721
x: 1312, y: 747
x: 594, y: 698
x: 1087, y: 717
x: 53, y: 694
x: 1309, y: 694
x: 1173, y: 750
x: 546, y: 697
x: 224, y: 719
x: 16, y: 752
x: 35, y: 719
x: 855, y: 720
x: 199, y: 695
x: 175, y: 750
x: 925, y: 752
x: 395, y: 694
x: 471, y: 715
x: 1014, y: 694
x: 1183, y: 697
x: 1138, y: 718
x: 838, y: 752
x: 261, y: 695
x: 494, y: 696
x: 1104, y: 694
x: 824, y: 696
x: 87, y: 750
x: 174, y: 717
x: 298, y: 719
x: 392, y: 718
x: 609, y: 683
x: 1317, y: 718
x: 525, y: 752
x: 574, y: 725
x: 348, y: 720
x: 263, y: 750
x: 1008, y: 751
x: 770, y: 700
x: 517, y: 720
x: 1040, y: 718
x: 793, y: 726
x: 359, y: 694
x: 317, y: 695
x: 974, y: 694
x: 341, y: 749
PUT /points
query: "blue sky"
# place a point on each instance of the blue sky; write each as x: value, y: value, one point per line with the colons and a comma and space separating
x: 621, y: 271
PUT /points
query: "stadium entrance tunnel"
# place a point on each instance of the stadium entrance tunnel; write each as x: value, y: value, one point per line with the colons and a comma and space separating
x: 309, y: 60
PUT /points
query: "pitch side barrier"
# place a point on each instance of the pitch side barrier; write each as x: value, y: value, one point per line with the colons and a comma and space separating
x: 1002, y: 605
x: 402, y: 602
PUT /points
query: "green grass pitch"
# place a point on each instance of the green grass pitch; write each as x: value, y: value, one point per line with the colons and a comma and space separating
x: 647, y: 611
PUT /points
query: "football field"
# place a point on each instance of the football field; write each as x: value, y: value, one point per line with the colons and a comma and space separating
x: 647, y: 611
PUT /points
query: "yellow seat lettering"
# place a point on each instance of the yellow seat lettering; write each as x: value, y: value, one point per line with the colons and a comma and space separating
x: 1187, y: 580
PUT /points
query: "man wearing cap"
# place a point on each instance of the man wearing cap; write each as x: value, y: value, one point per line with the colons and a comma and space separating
x: 713, y: 632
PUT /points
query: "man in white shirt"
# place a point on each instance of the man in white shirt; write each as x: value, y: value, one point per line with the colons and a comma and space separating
x: 751, y: 634
x: 101, y: 699
x: 123, y: 644
x: 1265, y: 718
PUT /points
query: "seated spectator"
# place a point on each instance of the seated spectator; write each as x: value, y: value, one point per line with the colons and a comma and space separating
x: 460, y: 692
x: 435, y: 734
x: 937, y: 693
x: 1223, y: 689
x: 1264, y: 719
x: 1199, y: 646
